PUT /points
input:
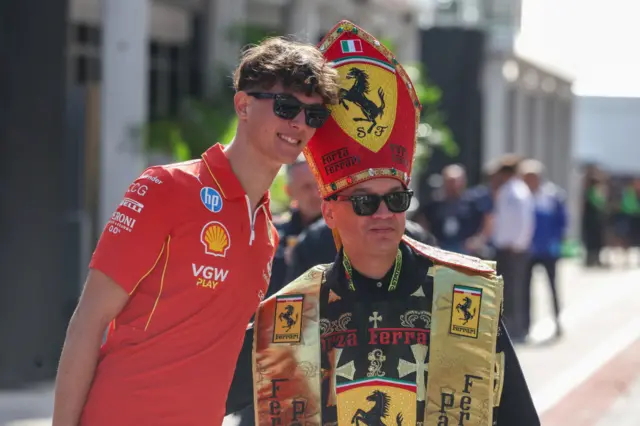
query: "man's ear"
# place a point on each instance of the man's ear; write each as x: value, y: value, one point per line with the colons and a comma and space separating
x: 241, y: 103
x: 327, y: 214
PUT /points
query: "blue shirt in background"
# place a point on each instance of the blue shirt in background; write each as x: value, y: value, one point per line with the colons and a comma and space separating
x: 551, y: 221
x: 452, y: 222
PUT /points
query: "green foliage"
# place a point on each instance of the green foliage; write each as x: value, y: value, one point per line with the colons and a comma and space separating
x: 433, y: 131
x: 164, y: 136
x: 200, y: 123
x: 279, y: 199
x: 248, y: 34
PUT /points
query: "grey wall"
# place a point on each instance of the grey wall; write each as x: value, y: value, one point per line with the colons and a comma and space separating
x: 32, y: 188
x: 607, y: 131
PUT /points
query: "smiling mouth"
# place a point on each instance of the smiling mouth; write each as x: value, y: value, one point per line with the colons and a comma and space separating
x: 289, y: 139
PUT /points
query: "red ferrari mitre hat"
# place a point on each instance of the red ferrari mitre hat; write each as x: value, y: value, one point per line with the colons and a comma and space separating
x: 372, y: 130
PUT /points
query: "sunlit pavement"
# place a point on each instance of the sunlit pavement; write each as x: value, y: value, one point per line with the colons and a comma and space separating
x: 591, y: 373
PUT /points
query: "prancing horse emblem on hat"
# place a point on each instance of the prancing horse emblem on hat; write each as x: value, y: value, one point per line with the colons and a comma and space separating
x: 368, y: 100
x: 358, y: 95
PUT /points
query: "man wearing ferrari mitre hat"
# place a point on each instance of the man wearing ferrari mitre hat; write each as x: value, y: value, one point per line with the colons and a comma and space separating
x: 393, y: 332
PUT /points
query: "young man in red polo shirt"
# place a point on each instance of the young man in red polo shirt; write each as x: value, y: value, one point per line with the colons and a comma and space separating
x: 186, y: 257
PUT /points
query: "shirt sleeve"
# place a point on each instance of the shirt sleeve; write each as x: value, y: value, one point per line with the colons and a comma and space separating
x: 526, y: 212
x: 134, y: 238
x: 563, y: 214
x: 484, y: 203
x: 516, y: 404
x: 515, y: 218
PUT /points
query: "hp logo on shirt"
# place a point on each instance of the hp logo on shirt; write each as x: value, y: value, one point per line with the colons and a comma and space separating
x: 211, y: 199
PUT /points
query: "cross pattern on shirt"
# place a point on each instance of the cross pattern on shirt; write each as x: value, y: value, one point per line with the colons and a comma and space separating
x: 348, y: 371
x: 375, y: 318
x: 420, y: 367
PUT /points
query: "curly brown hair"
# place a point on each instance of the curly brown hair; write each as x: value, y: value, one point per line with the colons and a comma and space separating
x: 297, y: 66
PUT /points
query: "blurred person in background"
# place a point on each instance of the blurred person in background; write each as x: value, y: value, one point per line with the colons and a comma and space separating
x: 618, y: 222
x: 305, y: 210
x: 481, y: 243
x: 456, y: 215
x: 184, y: 261
x: 594, y: 215
x: 512, y: 231
x: 630, y: 216
x: 549, y: 232
x: 353, y: 342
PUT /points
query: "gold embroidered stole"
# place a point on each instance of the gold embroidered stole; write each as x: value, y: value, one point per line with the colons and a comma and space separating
x: 286, y: 354
x: 464, y: 373
x: 462, y: 384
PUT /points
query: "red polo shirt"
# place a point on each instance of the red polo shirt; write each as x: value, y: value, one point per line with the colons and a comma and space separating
x: 196, y: 260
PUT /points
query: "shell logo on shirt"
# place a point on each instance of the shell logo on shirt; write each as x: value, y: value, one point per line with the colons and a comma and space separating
x: 216, y: 239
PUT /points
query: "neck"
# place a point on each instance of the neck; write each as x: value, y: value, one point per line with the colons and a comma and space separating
x: 453, y: 196
x: 370, y: 266
x: 254, y: 173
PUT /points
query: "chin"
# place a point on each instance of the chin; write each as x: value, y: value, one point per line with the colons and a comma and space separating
x: 286, y: 156
x: 384, y: 243
x: 290, y: 159
x: 279, y: 158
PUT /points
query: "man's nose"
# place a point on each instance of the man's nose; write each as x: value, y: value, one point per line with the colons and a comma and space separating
x: 298, y: 121
x: 383, y: 211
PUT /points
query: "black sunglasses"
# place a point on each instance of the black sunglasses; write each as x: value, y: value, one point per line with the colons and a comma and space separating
x: 288, y: 107
x: 368, y: 204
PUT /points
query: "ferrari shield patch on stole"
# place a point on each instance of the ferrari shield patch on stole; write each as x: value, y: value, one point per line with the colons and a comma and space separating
x: 465, y: 311
x: 377, y: 401
x: 288, y: 321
